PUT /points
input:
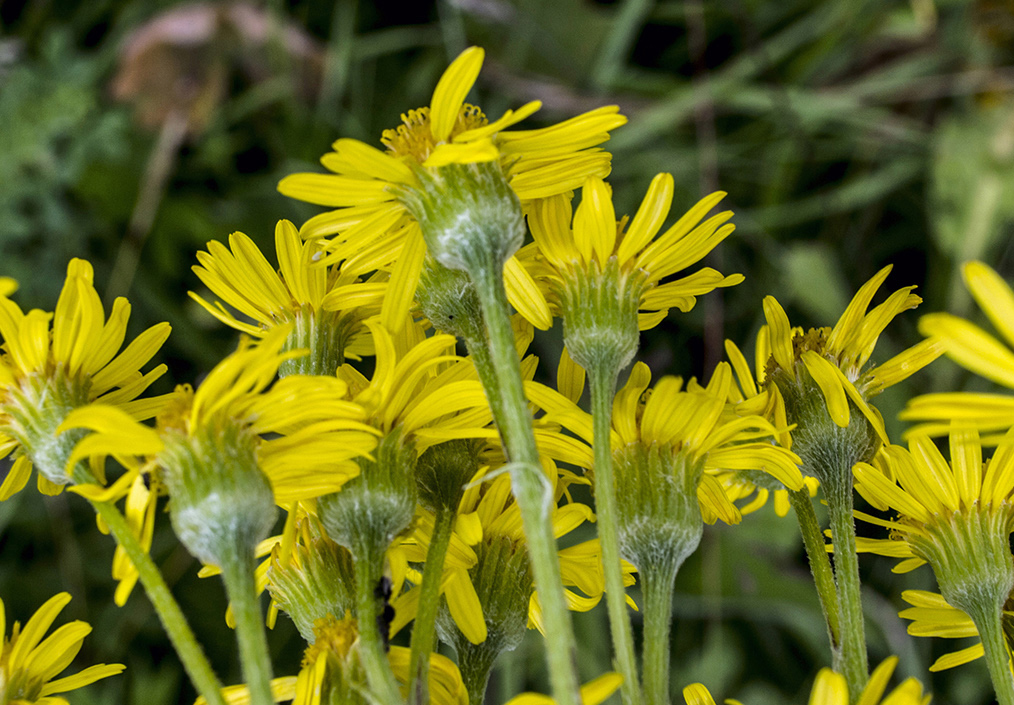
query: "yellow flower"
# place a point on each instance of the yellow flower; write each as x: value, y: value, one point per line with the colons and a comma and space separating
x: 596, y: 241
x: 836, y: 358
x: 751, y: 395
x: 830, y: 688
x: 331, y: 672
x: 300, y: 434
x: 955, y: 516
x: 488, y: 537
x: 368, y: 187
x: 976, y: 350
x: 691, y: 422
x: 592, y: 693
x: 28, y: 663
x: 48, y: 371
x: 929, y: 493
x: 932, y: 615
x: 306, y: 435
x: 325, y: 305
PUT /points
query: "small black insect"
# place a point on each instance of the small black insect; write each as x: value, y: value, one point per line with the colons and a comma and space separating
x: 382, y: 592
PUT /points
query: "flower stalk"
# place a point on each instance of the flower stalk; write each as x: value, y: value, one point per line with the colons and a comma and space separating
x: 531, y: 488
x: 238, y: 574
x: 602, y: 380
x: 424, y: 625
x: 853, y: 659
x: 182, y: 637
x: 820, y: 568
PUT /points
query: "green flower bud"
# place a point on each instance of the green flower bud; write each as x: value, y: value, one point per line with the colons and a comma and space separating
x: 442, y: 472
x: 503, y: 581
x: 658, y: 513
x: 220, y: 500
x: 377, y: 505
x: 316, y: 580
x: 600, y: 314
x: 470, y: 217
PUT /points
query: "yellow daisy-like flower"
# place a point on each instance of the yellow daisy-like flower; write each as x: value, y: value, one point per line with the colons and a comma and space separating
x: 750, y: 395
x: 931, y: 494
x: 933, y: 616
x: 324, y: 305
x: 597, y: 241
x: 957, y: 517
x: 592, y: 693
x: 28, y: 663
x: 836, y: 358
x: 689, y: 422
x: 331, y: 672
x: 48, y: 371
x: 489, y: 535
x: 306, y: 435
x: 301, y: 433
x: 976, y: 350
x: 830, y: 688
x: 369, y: 188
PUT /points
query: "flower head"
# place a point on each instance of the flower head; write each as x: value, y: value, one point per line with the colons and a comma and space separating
x: 332, y: 672
x: 956, y: 516
x: 593, y: 241
x: 668, y: 444
x: 750, y: 395
x: 822, y: 374
x: 324, y: 306
x: 975, y: 350
x: 48, y: 370
x: 449, y: 146
x: 830, y: 688
x: 933, y: 616
x: 28, y: 663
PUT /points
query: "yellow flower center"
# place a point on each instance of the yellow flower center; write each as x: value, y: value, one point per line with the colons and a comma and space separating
x: 176, y: 414
x: 413, y: 139
x: 333, y: 637
x: 814, y: 339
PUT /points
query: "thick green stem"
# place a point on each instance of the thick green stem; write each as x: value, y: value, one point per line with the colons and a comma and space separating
x: 855, y: 668
x: 657, y: 584
x: 475, y: 666
x: 191, y: 655
x: 369, y: 565
x: 238, y: 573
x: 820, y: 567
x: 424, y: 625
x: 987, y: 619
x: 603, y: 385
x: 533, y: 491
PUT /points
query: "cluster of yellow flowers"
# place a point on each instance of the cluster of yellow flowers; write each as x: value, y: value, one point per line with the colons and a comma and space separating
x: 429, y: 487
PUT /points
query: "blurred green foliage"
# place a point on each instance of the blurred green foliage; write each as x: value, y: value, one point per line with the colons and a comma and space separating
x: 848, y: 135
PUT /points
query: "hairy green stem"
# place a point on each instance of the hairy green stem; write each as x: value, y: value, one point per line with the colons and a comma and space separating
x: 533, y: 491
x: 657, y: 584
x: 820, y: 567
x: 369, y: 567
x: 238, y: 568
x: 855, y: 667
x: 424, y: 625
x: 603, y: 385
x: 191, y: 655
x: 987, y: 619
